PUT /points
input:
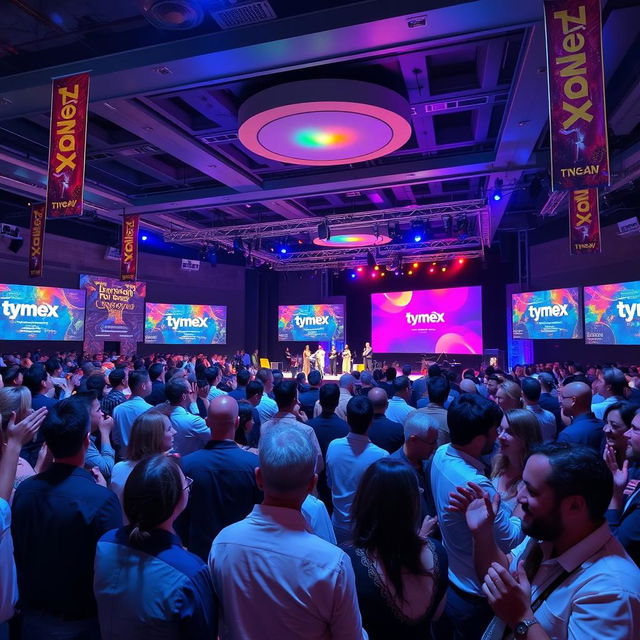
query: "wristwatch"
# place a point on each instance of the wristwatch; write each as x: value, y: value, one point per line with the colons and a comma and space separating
x: 522, y: 628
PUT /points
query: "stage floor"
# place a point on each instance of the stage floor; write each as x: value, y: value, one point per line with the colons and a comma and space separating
x: 329, y: 378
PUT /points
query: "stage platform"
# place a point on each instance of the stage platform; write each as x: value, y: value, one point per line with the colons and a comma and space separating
x: 329, y: 378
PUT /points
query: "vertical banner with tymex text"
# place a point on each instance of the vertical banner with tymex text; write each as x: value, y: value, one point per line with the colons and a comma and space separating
x: 67, y: 145
x: 584, y: 222
x: 129, y: 249
x: 36, y: 240
x: 577, y: 113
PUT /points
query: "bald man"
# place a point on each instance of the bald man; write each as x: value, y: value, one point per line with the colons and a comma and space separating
x: 468, y: 386
x: 585, y: 428
x: 224, y: 488
x: 384, y: 433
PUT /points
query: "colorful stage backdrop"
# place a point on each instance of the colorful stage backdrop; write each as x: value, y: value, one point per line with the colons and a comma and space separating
x: 115, y: 311
x: 311, y: 322
x: 432, y: 321
x: 547, y: 315
x: 185, y: 324
x: 612, y: 313
x: 41, y: 313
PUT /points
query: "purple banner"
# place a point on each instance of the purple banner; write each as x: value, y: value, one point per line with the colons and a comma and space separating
x: 577, y: 114
x: 584, y: 222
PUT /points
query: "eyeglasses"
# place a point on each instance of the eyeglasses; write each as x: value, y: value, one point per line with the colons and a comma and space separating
x: 188, y: 483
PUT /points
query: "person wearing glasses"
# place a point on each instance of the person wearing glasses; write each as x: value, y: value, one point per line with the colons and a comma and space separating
x: 145, y: 583
x: 585, y: 428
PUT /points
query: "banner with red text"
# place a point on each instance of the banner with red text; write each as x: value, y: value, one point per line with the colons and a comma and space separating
x: 67, y: 145
x: 584, y: 222
x: 36, y: 240
x: 129, y: 249
x: 577, y: 113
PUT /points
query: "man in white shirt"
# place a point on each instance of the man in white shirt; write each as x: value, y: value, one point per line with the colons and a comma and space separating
x: 347, y: 384
x: 614, y: 385
x: 124, y: 414
x: 267, y: 408
x: 273, y: 577
x: 571, y: 578
x: 399, y: 408
x: 347, y: 460
x: 531, y: 392
x: 192, y: 432
x: 213, y: 376
x: 472, y: 422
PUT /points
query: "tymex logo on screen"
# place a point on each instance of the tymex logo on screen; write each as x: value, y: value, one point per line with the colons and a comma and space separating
x: 303, y: 321
x: 628, y: 311
x: 15, y: 309
x: 548, y: 311
x: 424, y: 318
x: 181, y: 323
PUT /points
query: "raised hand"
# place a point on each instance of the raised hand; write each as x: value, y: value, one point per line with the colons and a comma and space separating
x: 509, y: 596
x: 478, y: 509
x: 27, y: 428
x: 620, y: 476
x: 193, y: 392
x: 429, y: 525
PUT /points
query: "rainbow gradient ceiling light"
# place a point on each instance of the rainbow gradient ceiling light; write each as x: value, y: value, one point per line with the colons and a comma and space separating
x: 353, y: 239
x: 324, y: 122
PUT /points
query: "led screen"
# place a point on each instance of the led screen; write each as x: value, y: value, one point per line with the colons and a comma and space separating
x: 185, y: 324
x: 41, y: 313
x: 431, y: 321
x: 311, y: 322
x: 612, y: 313
x: 547, y: 315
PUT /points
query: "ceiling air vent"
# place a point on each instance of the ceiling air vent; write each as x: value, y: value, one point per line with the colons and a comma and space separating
x: 243, y: 14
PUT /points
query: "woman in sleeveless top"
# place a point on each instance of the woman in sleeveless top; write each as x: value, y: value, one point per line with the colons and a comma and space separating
x: 401, y: 576
x: 346, y: 359
x: 306, y: 363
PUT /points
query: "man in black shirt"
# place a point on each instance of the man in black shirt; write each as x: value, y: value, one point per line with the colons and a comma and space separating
x: 308, y: 398
x: 156, y: 375
x: 383, y: 432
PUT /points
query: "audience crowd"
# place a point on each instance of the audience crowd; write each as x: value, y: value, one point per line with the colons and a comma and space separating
x: 187, y: 497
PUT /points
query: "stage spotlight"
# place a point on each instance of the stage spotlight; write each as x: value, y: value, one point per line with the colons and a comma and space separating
x: 417, y: 231
x: 497, y: 189
x: 283, y: 250
x: 371, y: 259
x: 447, y: 223
x: 410, y: 272
x: 433, y: 264
x: 202, y: 256
x: 352, y: 276
x: 462, y: 225
x: 238, y: 245
x: 373, y: 274
x: 382, y: 274
x: 324, y: 233
x: 432, y: 270
x: 360, y: 269
x: 443, y: 269
x: 460, y: 260
x: 144, y: 238
x: 415, y: 265
x: 394, y: 230
x: 376, y: 268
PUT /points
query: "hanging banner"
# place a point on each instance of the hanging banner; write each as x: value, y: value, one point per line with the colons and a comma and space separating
x: 577, y: 113
x: 36, y: 240
x: 129, y: 250
x: 67, y: 145
x: 584, y: 222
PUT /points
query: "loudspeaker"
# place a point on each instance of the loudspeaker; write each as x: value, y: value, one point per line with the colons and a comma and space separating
x: 16, y: 244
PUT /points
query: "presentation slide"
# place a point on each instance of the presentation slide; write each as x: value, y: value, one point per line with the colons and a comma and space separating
x: 612, y: 313
x: 41, y: 313
x: 311, y: 322
x: 185, y: 324
x: 115, y: 309
x: 547, y: 315
x: 431, y: 321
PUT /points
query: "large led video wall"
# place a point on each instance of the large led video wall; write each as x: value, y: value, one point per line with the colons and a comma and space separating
x: 41, y: 313
x: 185, y: 324
x: 612, y: 313
x: 429, y: 321
x: 311, y: 322
x: 554, y: 314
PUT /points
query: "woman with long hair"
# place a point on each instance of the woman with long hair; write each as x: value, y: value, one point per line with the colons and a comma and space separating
x: 509, y: 395
x: 518, y: 433
x: 617, y: 421
x: 146, y: 585
x: 401, y: 576
x: 245, y: 425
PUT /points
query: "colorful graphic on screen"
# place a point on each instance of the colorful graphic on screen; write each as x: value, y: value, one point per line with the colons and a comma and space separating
x: 310, y: 322
x: 612, y: 313
x: 185, y: 324
x: 41, y: 313
x: 547, y: 315
x: 115, y: 309
x: 431, y: 321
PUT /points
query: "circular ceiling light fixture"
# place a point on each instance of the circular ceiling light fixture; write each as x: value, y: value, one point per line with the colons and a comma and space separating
x: 355, y: 239
x: 324, y: 122
x: 174, y: 15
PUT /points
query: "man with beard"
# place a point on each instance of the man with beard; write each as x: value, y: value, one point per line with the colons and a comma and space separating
x: 472, y: 421
x: 570, y: 578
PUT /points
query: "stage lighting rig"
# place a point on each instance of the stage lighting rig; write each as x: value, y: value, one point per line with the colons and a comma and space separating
x: 371, y: 260
x: 324, y: 232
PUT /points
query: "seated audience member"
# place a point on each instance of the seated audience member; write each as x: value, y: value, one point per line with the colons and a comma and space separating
x: 286, y: 397
x: 125, y: 413
x: 224, y: 486
x: 118, y: 381
x: 254, y: 393
x: 438, y: 389
x: 61, y: 387
x: 347, y: 459
x: 614, y: 386
x: 420, y: 440
x: 468, y: 386
x: 13, y: 376
x: 366, y: 383
x: 347, y: 384
x: 624, y: 517
x: 151, y: 434
x: 192, y: 432
x: 617, y: 423
x: 14, y: 434
x: 267, y: 408
x: 401, y: 575
x: 156, y: 375
x: 245, y: 427
x: 301, y: 381
x: 274, y: 578
x: 146, y: 585
x: 213, y: 376
x: 399, y: 407
x: 309, y: 397
x: 58, y: 517
x: 242, y: 380
x: 473, y: 422
x: 585, y: 428
x: 518, y: 433
x: 570, y: 578
x: 384, y: 433
x: 549, y: 398
x: 386, y: 382
x: 95, y: 383
x: 509, y: 395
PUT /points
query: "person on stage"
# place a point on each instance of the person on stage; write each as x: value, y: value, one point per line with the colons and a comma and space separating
x: 333, y: 356
x: 255, y: 360
x: 306, y: 360
x: 319, y: 356
x: 287, y: 357
x: 346, y: 359
x: 367, y: 356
